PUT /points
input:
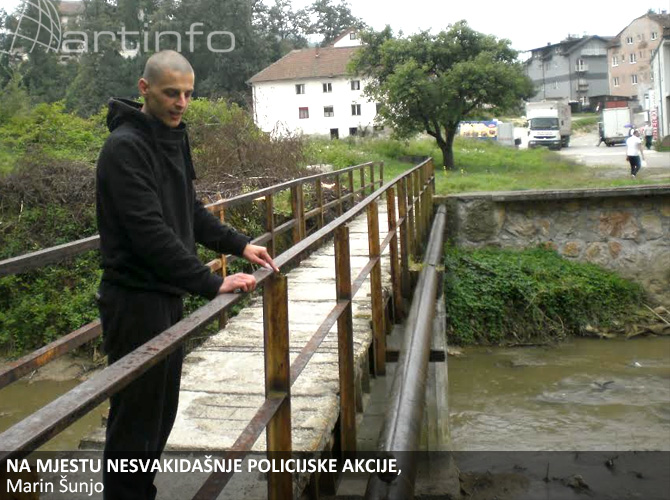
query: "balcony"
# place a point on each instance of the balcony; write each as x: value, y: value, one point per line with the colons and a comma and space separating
x: 594, y: 52
x: 581, y: 68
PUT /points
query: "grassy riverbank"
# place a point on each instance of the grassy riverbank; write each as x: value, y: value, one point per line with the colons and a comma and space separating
x: 481, y: 165
x: 496, y: 296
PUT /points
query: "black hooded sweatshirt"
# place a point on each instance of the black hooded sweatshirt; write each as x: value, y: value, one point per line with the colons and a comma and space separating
x: 148, y: 215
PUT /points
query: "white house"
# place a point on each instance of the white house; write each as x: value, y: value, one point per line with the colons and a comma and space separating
x: 309, y: 91
x: 660, y: 105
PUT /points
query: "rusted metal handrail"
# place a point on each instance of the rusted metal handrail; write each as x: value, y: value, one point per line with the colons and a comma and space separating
x: 26, y: 364
x: 404, y: 417
x: 54, y: 417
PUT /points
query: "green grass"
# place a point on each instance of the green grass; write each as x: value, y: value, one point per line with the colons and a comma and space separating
x: 481, y: 165
x: 496, y: 296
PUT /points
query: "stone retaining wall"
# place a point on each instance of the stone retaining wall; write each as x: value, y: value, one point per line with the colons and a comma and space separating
x: 623, y: 229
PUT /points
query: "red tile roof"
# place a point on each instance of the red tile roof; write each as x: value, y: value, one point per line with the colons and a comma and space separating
x: 320, y: 62
x: 71, y: 8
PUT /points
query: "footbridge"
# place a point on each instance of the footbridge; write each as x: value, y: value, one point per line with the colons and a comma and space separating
x: 293, y: 370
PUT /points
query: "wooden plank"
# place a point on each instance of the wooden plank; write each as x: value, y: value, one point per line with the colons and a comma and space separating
x: 398, y: 310
x: 405, y: 282
x: 278, y: 380
x: 378, y: 331
x: 270, y: 223
x: 345, y: 338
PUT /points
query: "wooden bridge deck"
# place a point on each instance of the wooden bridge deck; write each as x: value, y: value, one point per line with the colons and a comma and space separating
x: 223, y: 379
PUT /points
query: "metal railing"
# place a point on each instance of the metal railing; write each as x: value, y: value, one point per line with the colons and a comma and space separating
x: 406, y: 233
x: 404, y: 417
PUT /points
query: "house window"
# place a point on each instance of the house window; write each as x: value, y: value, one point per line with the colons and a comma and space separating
x: 327, y: 87
x: 300, y: 88
x: 555, y: 85
x: 654, y: 35
x: 353, y: 131
x: 355, y: 85
x: 633, y: 79
x: 355, y: 110
x: 353, y: 36
x: 615, y: 61
x: 629, y: 40
x: 328, y: 111
x: 581, y: 65
x: 632, y: 58
x: 584, y: 100
x: 303, y: 113
x: 378, y: 128
x: 615, y: 81
x: 334, y: 133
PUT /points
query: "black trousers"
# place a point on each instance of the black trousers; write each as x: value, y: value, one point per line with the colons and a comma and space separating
x: 635, y: 164
x: 142, y: 414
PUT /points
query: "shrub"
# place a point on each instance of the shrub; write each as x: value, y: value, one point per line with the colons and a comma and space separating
x: 498, y: 296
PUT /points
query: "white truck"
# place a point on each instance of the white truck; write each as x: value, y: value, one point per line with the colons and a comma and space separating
x: 549, y: 123
x: 616, y: 125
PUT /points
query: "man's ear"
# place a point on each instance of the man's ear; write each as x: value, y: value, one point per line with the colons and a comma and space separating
x: 143, y: 87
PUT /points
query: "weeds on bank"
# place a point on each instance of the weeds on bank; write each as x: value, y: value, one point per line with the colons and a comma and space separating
x: 495, y: 296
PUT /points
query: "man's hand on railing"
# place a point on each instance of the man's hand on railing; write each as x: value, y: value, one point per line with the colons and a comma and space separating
x: 259, y: 255
x: 240, y: 281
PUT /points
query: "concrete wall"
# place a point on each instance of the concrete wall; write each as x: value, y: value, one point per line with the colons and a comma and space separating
x: 625, y: 229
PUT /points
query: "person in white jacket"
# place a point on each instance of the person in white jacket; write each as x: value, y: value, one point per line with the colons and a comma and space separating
x: 634, y: 153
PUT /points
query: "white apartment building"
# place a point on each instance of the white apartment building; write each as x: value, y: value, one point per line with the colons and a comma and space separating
x: 310, y: 91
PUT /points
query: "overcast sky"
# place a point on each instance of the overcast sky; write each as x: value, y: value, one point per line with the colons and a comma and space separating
x: 528, y: 24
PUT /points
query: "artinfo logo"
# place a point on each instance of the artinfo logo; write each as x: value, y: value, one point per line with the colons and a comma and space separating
x: 38, y: 26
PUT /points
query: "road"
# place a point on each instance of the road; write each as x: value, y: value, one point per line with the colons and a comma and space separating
x: 611, y: 161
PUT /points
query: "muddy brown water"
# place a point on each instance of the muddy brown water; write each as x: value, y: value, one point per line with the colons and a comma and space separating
x: 24, y: 397
x: 584, y: 394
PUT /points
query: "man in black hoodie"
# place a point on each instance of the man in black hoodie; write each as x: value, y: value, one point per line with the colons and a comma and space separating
x: 149, y: 220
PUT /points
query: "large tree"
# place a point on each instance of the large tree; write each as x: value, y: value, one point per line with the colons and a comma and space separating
x: 330, y: 20
x: 429, y: 83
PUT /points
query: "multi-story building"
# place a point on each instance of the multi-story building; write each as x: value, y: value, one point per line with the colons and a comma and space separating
x: 574, y: 69
x: 630, y: 53
x: 660, y: 96
x: 310, y: 91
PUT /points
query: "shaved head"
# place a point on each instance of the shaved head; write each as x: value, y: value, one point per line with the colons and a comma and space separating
x: 164, y: 61
x: 167, y: 87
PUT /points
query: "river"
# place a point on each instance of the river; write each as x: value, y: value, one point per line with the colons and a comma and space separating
x: 583, y: 394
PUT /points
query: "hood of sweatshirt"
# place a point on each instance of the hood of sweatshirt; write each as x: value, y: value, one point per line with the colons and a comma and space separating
x: 126, y: 111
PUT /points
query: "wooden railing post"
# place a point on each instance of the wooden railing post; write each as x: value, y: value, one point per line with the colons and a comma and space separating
x: 352, y: 190
x: 378, y: 331
x: 363, y: 190
x: 270, y: 223
x: 298, y: 209
x: 404, y: 239
x: 423, y: 175
x: 278, y: 380
x: 372, y: 177
x: 411, y: 226
x: 398, y: 311
x: 223, y: 315
x: 418, y: 233
x: 345, y: 338
x: 320, y: 219
x: 338, y: 193
x: 381, y: 173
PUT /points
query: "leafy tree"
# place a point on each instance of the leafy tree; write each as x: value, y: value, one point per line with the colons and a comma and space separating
x: 284, y: 28
x: 331, y: 20
x: 45, y: 77
x: 431, y: 82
